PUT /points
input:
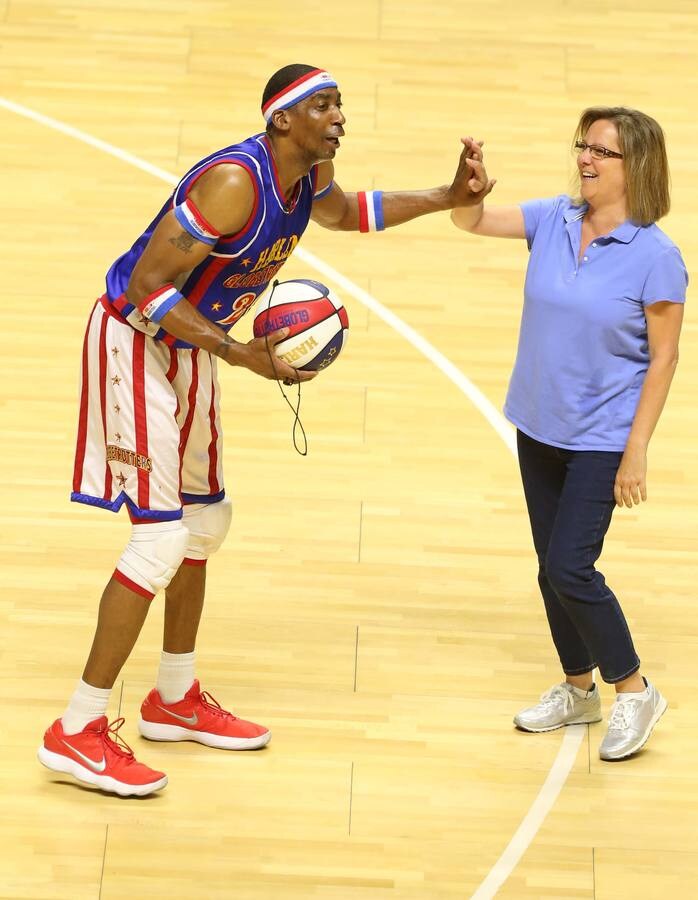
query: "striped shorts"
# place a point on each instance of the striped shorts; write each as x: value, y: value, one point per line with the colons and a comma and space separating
x: 149, y: 432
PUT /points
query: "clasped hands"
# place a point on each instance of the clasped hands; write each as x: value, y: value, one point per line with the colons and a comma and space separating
x: 470, y: 184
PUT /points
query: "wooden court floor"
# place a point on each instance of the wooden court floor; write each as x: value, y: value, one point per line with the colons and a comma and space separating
x: 376, y: 602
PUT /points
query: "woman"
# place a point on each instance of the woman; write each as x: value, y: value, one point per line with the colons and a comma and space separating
x: 597, y: 352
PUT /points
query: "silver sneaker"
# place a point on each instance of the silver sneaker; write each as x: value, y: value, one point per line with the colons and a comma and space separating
x: 560, y: 706
x: 633, y: 716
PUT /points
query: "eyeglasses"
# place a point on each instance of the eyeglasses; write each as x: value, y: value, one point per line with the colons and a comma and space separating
x: 596, y: 151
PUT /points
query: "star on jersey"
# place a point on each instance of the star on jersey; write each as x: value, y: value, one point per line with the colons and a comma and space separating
x: 115, y: 379
x: 117, y: 437
x: 216, y: 306
x: 246, y: 262
x: 117, y: 408
x: 121, y: 478
x: 115, y: 351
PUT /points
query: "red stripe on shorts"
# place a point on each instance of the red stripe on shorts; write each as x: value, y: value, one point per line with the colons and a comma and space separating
x: 140, y: 411
x: 213, y: 485
x: 189, y: 418
x: 103, y: 401
x: 172, y: 374
x: 174, y: 365
x: 82, y: 418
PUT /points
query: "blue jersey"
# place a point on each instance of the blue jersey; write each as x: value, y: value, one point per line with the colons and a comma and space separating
x: 240, y: 266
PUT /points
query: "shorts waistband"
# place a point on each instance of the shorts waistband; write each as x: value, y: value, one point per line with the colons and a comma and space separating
x: 109, y: 308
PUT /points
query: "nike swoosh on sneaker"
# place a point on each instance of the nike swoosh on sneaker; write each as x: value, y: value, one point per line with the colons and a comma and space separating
x: 188, y: 720
x: 95, y: 765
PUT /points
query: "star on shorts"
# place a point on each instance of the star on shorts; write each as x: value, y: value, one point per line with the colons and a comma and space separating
x: 121, y: 478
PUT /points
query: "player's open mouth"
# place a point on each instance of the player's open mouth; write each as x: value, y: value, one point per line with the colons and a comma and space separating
x: 333, y: 140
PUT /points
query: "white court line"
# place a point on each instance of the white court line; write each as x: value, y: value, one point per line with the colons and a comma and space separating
x: 88, y: 139
x: 574, y: 736
x: 534, y: 818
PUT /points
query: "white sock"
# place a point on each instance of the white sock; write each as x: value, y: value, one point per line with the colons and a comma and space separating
x: 580, y: 692
x: 175, y: 675
x: 638, y: 695
x: 86, y: 704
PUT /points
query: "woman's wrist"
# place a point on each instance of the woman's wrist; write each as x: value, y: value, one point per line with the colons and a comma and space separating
x: 637, y: 444
x: 467, y: 217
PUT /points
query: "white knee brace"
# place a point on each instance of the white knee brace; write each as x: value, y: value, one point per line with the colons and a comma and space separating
x: 152, y: 556
x: 207, y: 524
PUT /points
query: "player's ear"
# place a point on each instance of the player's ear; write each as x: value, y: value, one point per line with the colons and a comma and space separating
x: 281, y: 120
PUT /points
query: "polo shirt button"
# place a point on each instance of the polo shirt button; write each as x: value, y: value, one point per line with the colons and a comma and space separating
x: 593, y: 245
x: 586, y: 259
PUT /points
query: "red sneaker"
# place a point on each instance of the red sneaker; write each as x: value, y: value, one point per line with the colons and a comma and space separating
x: 198, y: 717
x: 98, y: 755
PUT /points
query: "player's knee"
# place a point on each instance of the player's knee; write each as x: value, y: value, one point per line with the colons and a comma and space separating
x: 152, y: 556
x: 207, y: 524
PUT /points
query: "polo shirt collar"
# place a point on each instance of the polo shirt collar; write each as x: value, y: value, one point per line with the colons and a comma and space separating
x: 624, y: 233
x: 575, y: 212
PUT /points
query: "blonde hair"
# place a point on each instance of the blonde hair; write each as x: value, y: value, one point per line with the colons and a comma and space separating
x: 641, y: 142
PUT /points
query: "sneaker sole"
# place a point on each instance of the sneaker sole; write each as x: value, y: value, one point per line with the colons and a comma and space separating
x: 583, y: 720
x: 59, y: 763
x: 154, y: 731
x: 661, y: 709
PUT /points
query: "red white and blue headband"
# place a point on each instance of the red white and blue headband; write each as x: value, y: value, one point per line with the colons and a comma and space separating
x: 298, y: 90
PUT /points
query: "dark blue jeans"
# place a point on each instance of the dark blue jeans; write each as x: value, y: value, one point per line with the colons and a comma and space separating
x: 569, y: 494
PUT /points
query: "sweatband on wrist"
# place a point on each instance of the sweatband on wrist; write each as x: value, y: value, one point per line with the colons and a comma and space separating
x: 160, y: 302
x: 194, y: 223
x: 370, y: 211
x: 323, y: 192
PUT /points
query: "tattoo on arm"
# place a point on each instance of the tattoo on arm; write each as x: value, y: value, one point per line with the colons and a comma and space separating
x: 223, y: 348
x: 184, y: 241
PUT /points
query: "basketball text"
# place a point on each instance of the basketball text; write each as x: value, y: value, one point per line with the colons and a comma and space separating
x: 298, y: 351
x: 285, y: 320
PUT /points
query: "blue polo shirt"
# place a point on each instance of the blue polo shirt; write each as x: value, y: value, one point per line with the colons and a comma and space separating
x: 583, y: 350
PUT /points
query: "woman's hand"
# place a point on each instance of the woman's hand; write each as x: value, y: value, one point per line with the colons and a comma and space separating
x: 630, y: 487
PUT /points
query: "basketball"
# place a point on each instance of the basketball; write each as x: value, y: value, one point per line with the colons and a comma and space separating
x: 317, y: 320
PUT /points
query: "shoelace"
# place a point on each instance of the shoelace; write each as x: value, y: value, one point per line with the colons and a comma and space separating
x: 622, y: 714
x: 116, y: 743
x: 558, y: 693
x: 212, y: 704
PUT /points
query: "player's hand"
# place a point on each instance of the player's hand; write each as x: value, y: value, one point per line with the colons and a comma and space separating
x: 631, y: 478
x: 259, y: 357
x: 470, y: 185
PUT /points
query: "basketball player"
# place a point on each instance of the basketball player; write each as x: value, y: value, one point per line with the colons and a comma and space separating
x: 149, y: 432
